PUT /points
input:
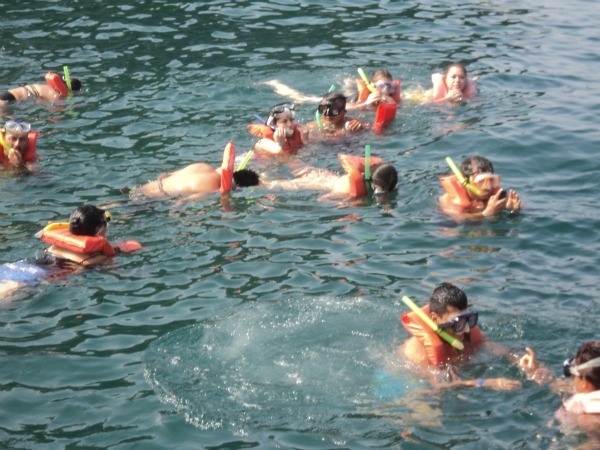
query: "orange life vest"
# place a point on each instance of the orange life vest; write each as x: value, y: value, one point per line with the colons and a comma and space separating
x: 364, y: 92
x: 355, y: 168
x: 30, y: 152
x: 227, y: 168
x: 440, y: 89
x: 58, y: 234
x: 294, y: 142
x: 457, y: 193
x: 56, y: 82
x: 435, y: 347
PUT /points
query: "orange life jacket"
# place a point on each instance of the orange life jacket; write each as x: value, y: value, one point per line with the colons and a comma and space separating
x: 58, y: 234
x: 355, y: 168
x: 56, y: 82
x: 440, y: 89
x: 457, y: 193
x: 364, y: 92
x: 30, y: 152
x: 435, y: 347
x: 227, y: 168
x: 294, y: 142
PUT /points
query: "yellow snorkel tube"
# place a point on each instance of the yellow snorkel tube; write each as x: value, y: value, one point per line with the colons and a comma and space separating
x: 4, y: 144
x: 368, y: 83
x: 245, y: 161
x: 431, y: 324
x: 463, y: 180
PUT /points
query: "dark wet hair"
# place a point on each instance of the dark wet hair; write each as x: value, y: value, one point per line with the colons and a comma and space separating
x: 587, y: 352
x: 476, y: 162
x: 7, y: 96
x: 75, y: 84
x: 385, y: 176
x: 245, y: 178
x: 334, y: 98
x: 446, y: 295
x: 381, y: 73
x: 86, y: 220
x: 459, y: 65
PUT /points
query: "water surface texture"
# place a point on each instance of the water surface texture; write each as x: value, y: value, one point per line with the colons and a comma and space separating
x: 269, y: 319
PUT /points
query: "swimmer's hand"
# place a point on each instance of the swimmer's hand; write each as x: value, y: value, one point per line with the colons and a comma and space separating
x: 455, y: 96
x: 127, y: 247
x: 355, y: 125
x: 534, y: 371
x: 279, y: 136
x: 495, y: 204
x: 513, y: 202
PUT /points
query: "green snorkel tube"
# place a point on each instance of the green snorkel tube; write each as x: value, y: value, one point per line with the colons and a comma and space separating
x: 462, y: 179
x: 431, y: 324
x: 68, y: 80
x: 367, y: 176
x: 245, y: 161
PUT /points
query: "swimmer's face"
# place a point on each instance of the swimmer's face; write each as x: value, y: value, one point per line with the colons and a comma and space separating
x: 447, y: 317
x: 286, y: 120
x: 332, y: 114
x: 17, y: 141
x: 456, y: 79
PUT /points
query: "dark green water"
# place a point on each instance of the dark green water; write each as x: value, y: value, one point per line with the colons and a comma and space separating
x: 268, y: 322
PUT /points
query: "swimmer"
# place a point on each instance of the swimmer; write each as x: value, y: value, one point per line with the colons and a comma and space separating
x: 86, y: 220
x: 332, y: 111
x: 462, y: 204
x: 383, y: 180
x: 35, y: 92
x: 192, y: 182
x: 582, y: 409
x: 453, y: 87
x: 386, y: 91
x: 16, y: 149
x: 286, y: 137
x: 449, y: 309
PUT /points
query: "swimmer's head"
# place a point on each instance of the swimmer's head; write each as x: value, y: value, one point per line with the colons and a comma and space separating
x: 245, y: 178
x: 75, y: 84
x: 282, y: 112
x: 587, y: 352
x: 479, y: 171
x: 88, y: 220
x: 381, y: 74
x: 446, y: 296
x: 16, y: 134
x: 383, y: 178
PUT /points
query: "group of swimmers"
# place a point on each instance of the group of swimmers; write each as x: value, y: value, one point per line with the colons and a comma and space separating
x: 443, y: 332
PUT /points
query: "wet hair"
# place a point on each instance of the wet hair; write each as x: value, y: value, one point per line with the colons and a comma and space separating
x: 86, y: 220
x: 385, y: 176
x: 445, y: 295
x: 459, y: 65
x: 278, y: 109
x: 587, y: 352
x: 75, y: 84
x: 476, y: 162
x: 7, y: 97
x: 381, y: 73
x: 245, y: 178
x: 336, y: 98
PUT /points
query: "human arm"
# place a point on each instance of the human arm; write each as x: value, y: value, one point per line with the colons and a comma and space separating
x: 356, y: 125
x: 290, y: 93
x: 513, y: 202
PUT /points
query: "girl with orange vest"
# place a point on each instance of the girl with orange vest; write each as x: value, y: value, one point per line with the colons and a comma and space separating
x: 453, y: 86
x: 280, y: 134
x: 381, y: 89
x: 82, y: 240
x: 17, y: 143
